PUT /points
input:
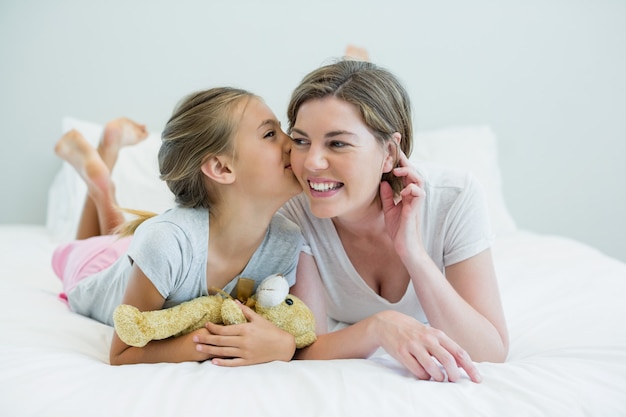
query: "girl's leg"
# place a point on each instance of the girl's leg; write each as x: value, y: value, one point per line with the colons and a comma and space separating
x: 76, y: 260
x: 100, y: 214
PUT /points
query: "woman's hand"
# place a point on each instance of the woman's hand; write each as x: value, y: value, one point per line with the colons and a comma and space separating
x: 417, y: 346
x: 257, y: 341
x: 403, y: 218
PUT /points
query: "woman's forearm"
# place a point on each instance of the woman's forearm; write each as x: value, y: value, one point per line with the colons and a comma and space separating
x: 465, y: 305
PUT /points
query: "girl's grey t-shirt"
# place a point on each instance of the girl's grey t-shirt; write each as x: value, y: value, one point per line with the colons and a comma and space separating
x: 171, y: 250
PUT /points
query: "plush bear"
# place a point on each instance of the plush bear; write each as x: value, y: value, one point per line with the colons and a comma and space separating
x: 272, y: 301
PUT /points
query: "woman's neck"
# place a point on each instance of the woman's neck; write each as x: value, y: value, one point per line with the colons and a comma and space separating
x: 370, y: 221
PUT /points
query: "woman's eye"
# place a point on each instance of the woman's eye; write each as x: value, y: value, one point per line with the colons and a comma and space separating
x: 299, y: 142
x: 337, y: 144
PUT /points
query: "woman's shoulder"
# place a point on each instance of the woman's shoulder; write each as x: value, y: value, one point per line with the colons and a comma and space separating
x: 442, y: 176
x: 448, y: 187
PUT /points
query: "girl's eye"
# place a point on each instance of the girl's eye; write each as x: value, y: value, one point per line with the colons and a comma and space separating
x: 270, y: 134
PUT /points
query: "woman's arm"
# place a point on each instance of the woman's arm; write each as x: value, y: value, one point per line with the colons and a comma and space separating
x: 406, y: 339
x: 310, y: 290
x: 465, y: 304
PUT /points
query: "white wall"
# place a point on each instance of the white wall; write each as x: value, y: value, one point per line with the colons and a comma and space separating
x: 549, y: 76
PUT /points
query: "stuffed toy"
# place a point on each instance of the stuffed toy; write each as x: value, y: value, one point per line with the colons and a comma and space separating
x: 272, y: 301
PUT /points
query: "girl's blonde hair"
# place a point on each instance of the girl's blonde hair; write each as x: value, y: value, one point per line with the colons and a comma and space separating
x: 202, y: 125
x: 378, y: 95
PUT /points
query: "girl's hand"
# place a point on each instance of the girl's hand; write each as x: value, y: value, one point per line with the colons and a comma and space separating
x: 257, y: 341
x: 403, y: 218
x: 417, y: 346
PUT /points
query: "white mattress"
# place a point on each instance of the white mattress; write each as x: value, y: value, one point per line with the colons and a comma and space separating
x: 563, y: 300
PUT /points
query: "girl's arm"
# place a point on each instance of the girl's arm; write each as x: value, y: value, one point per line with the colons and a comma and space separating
x: 142, y: 294
x: 259, y: 340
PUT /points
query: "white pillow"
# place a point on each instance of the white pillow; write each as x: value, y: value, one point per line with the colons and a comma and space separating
x: 473, y: 149
x: 136, y: 176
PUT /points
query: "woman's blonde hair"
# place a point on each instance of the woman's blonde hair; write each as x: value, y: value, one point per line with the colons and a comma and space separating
x: 378, y: 95
x: 202, y: 125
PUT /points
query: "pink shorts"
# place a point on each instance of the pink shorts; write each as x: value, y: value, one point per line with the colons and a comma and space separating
x: 79, y: 259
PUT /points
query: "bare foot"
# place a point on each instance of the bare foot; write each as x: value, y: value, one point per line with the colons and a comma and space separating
x: 74, y: 149
x: 118, y: 133
x: 356, y: 52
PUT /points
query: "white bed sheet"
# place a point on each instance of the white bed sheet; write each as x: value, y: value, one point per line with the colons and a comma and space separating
x: 563, y: 301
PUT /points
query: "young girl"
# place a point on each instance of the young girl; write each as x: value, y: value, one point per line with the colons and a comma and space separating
x: 226, y: 159
x: 403, y: 251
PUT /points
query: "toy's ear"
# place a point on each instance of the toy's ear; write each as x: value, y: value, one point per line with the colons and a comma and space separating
x: 219, y: 168
x: 392, y: 148
x: 272, y: 291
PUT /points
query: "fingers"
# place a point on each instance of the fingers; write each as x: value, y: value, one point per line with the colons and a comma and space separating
x: 459, y: 358
x: 218, y: 341
x: 249, y: 313
x: 412, y: 190
x: 408, y: 174
x: 221, y: 330
x: 402, y: 158
x: 465, y: 362
x: 441, y: 365
x: 431, y: 354
x: 230, y: 362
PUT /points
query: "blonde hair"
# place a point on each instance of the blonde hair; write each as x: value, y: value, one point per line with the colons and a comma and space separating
x: 202, y: 125
x: 378, y: 95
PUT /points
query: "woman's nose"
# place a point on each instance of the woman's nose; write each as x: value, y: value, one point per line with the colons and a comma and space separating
x: 315, y: 159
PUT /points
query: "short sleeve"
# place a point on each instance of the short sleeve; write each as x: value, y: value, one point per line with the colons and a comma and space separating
x: 162, y: 251
x: 468, y: 228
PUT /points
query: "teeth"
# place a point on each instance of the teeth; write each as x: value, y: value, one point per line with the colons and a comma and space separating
x: 324, y: 186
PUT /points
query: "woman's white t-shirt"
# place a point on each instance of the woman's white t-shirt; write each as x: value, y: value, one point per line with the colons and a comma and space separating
x: 454, y: 224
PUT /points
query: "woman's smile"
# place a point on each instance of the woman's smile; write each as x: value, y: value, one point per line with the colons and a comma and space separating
x: 323, y: 187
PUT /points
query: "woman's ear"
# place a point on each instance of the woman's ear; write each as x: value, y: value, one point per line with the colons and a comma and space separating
x: 392, y: 152
x: 219, y: 169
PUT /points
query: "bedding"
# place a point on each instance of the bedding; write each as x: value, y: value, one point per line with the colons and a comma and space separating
x: 562, y: 300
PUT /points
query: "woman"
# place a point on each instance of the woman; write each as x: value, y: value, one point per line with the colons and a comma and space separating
x: 226, y: 160
x: 402, y: 250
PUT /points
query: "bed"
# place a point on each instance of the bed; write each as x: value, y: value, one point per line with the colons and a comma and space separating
x: 563, y: 302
